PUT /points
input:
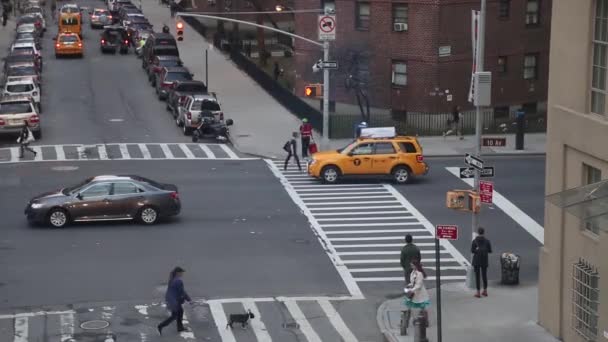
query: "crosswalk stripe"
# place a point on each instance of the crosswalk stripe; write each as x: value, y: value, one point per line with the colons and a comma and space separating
x: 298, y: 316
x: 229, y: 152
x: 186, y: 151
x: 14, y: 154
x: 348, y: 208
x: 102, y: 152
x: 167, y: 151
x: 345, y: 197
x: 207, y: 150
x: 377, y: 238
x: 59, y: 152
x: 400, y: 269
x: 392, y: 261
x: 387, y: 252
x: 144, y: 151
x: 354, y: 202
x: 38, y: 156
x: 382, y: 224
x: 378, y: 218
x: 219, y: 316
x: 374, y: 245
x: 343, y: 193
x: 67, y: 327
x: 374, y: 231
x: 81, y: 152
x: 336, y: 321
x: 400, y: 279
x: 352, y: 213
x: 21, y: 329
x: 259, y: 328
x: 124, y: 151
x: 187, y: 335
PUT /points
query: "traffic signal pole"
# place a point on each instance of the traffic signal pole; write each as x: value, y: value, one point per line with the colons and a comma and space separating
x: 325, y: 142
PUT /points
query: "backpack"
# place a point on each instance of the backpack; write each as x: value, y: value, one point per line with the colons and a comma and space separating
x: 287, y: 146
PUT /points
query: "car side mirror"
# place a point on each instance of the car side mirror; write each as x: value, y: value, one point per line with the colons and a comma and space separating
x: 229, y: 122
x: 79, y: 196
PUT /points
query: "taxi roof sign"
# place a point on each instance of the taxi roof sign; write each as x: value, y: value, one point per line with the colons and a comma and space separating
x: 378, y: 132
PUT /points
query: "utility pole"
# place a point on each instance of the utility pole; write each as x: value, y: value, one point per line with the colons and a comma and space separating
x: 325, y: 97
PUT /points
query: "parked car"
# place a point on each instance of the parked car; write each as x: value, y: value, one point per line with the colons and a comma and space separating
x: 181, y: 90
x: 104, y: 198
x: 18, y: 71
x: 16, y: 109
x: 99, y: 18
x: 27, y: 48
x: 194, y: 109
x: 37, y: 12
x: 28, y: 28
x: 33, y: 20
x: 29, y: 35
x: 155, y: 40
x: 29, y: 40
x: 25, y: 88
x: 158, y: 63
x: 167, y: 78
x: 20, y: 58
x: 114, y: 38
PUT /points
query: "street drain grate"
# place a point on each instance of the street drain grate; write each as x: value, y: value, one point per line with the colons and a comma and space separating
x: 94, y: 325
x: 291, y: 325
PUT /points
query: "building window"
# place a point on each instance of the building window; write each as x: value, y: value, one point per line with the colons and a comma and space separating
x: 362, y: 15
x: 530, y: 66
x: 399, y: 17
x: 504, y: 8
x: 502, y: 64
x: 585, y: 300
x: 399, y: 75
x: 591, y: 175
x: 600, y: 45
x: 532, y: 12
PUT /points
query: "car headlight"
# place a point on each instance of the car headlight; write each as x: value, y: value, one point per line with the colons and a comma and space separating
x: 36, y: 205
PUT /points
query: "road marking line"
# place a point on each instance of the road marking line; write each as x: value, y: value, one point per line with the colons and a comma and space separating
x: 333, y: 187
x: 187, y: 151
x: 400, y: 279
x: 166, y: 151
x: 124, y: 151
x: 229, y: 152
x: 102, y: 152
x: 349, y: 282
x: 374, y: 231
x: 392, y: 261
x: 187, y: 335
x: 259, y: 329
x: 398, y: 245
x: 405, y: 213
x: 379, y: 238
x: 298, y: 316
x: 219, y: 316
x: 144, y: 151
x: 207, y: 151
x: 400, y: 269
x: 526, y: 222
x: 14, y: 154
x: 345, y: 197
x: 381, y: 224
x: 356, y: 202
x: 34, y: 314
x: 377, y: 218
x: 365, y: 207
x: 81, y: 152
x: 38, y: 156
x: 398, y: 252
x: 59, y: 152
x: 66, y: 321
x: 427, y: 224
x: 345, y: 193
x: 21, y: 329
x: 337, y: 322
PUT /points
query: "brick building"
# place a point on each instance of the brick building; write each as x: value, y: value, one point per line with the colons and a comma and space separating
x: 401, y: 65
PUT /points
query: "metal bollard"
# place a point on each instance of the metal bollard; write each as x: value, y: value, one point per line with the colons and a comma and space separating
x: 405, y: 321
x: 420, y: 324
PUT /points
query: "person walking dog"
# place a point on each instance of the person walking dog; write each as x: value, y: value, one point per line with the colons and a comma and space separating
x: 409, y: 252
x: 175, y: 296
x: 481, y: 247
x: 25, y: 138
x: 416, y: 295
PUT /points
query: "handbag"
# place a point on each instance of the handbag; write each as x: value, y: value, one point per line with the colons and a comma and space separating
x: 312, y: 148
x: 410, y: 294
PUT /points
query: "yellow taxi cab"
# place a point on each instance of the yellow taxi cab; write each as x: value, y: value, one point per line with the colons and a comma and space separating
x: 70, y: 23
x: 68, y: 44
x: 378, y: 151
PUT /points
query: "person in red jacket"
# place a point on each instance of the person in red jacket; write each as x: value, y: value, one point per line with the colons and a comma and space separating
x: 305, y: 136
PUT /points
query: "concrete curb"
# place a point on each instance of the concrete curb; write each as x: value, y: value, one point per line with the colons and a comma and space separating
x: 497, y: 154
x: 382, y: 320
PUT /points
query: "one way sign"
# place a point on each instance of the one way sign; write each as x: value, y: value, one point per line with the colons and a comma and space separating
x: 469, y: 172
x: 475, y: 162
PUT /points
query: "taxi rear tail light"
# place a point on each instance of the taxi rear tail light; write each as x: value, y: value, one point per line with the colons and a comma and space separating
x: 103, y: 41
x: 79, y: 44
x: 419, y: 158
x: 109, y: 17
x: 57, y: 45
x: 126, y: 42
x: 34, y: 119
x: 189, y: 116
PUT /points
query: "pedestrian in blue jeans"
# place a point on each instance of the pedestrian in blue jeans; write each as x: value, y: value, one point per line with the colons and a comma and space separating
x: 175, y: 296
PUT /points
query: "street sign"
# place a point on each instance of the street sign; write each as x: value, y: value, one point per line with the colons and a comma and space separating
x: 327, y: 27
x: 486, y: 191
x: 469, y: 172
x: 494, y: 142
x: 475, y: 162
x: 329, y: 64
x: 447, y: 232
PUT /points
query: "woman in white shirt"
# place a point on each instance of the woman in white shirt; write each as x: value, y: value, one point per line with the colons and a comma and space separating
x: 416, y: 295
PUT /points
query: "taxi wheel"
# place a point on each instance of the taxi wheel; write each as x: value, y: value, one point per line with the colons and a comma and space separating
x: 401, y: 174
x: 330, y: 174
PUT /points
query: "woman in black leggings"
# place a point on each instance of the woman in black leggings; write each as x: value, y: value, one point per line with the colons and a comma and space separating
x: 480, y: 248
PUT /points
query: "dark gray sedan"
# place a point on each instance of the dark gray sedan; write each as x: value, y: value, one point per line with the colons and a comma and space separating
x: 106, y: 198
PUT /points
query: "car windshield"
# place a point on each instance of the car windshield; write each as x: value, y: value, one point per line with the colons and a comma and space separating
x: 100, y: 13
x: 19, y: 88
x: 71, y: 189
x: 25, y: 35
x: 205, y: 105
x: 23, y: 48
x: 21, y: 71
x: 69, y: 21
x: 68, y: 39
x: 69, y: 10
x: 15, y: 107
x: 192, y: 88
x: 350, y: 144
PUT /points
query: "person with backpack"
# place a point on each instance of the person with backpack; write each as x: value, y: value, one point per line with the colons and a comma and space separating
x: 481, y: 247
x: 291, y: 148
x: 409, y: 252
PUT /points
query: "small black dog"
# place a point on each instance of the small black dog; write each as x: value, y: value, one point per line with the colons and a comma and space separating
x: 240, y: 318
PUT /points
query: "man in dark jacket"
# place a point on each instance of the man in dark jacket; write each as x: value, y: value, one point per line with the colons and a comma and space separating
x: 292, y: 151
x: 481, y: 247
x: 175, y: 296
x: 409, y: 252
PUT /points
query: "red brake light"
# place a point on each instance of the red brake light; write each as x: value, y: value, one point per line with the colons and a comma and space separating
x: 189, y: 115
x: 57, y: 45
x: 79, y: 44
x: 126, y: 42
x: 419, y: 158
x: 174, y: 195
x: 103, y: 41
x: 2, y: 122
x: 109, y: 17
x: 34, y: 119
x: 156, y: 69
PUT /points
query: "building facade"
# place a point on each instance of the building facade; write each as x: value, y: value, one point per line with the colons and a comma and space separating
x: 410, y: 54
x: 573, y: 280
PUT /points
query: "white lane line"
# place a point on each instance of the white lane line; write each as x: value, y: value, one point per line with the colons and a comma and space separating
x: 38, y: 150
x: 381, y: 224
x: 102, y: 152
x: 349, y: 282
x: 380, y: 238
x: 67, y: 327
x: 352, y: 213
x: 345, y: 197
x: 298, y: 316
x: 144, y: 151
x: 374, y: 245
x: 427, y: 224
x: 392, y: 261
x: 342, y: 190
x: 400, y: 279
x: 81, y: 151
x: 337, y: 322
x: 364, y: 207
x: 356, y: 202
x: 526, y: 222
x: 60, y: 152
x: 14, y: 154
x: 387, y: 252
x: 219, y: 316
x: 399, y: 269
x: 166, y: 151
x: 380, y: 218
x: 229, y: 152
x: 344, y: 193
x: 374, y: 231
x: 124, y: 151
x: 34, y: 314
x: 21, y: 329
x: 207, y: 151
x: 259, y: 329
x: 186, y: 151
x: 187, y: 335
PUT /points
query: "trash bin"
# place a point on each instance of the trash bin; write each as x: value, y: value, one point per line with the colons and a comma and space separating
x: 509, y: 266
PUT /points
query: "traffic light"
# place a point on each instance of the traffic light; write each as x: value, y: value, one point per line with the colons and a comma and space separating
x: 463, y: 200
x: 180, y: 31
x: 313, y: 90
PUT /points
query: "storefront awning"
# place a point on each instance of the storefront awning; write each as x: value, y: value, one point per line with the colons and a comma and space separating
x: 589, y: 203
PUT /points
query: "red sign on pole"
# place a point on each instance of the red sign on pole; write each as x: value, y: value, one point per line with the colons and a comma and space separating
x: 486, y: 191
x: 448, y: 232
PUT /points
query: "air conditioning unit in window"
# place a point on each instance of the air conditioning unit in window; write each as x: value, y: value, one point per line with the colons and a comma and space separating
x: 399, y: 27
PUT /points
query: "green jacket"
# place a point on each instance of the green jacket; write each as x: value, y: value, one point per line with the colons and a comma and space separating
x: 409, y: 252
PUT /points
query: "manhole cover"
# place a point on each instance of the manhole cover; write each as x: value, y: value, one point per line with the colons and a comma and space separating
x: 291, y: 325
x: 95, y: 325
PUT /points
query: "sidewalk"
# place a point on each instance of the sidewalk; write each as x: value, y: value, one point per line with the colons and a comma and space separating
x: 508, y: 314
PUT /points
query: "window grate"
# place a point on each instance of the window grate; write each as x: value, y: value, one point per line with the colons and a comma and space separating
x: 585, y: 300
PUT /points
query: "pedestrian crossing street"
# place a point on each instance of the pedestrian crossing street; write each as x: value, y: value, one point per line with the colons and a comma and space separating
x: 156, y: 151
x: 364, y: 225
x: 280, y: 319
